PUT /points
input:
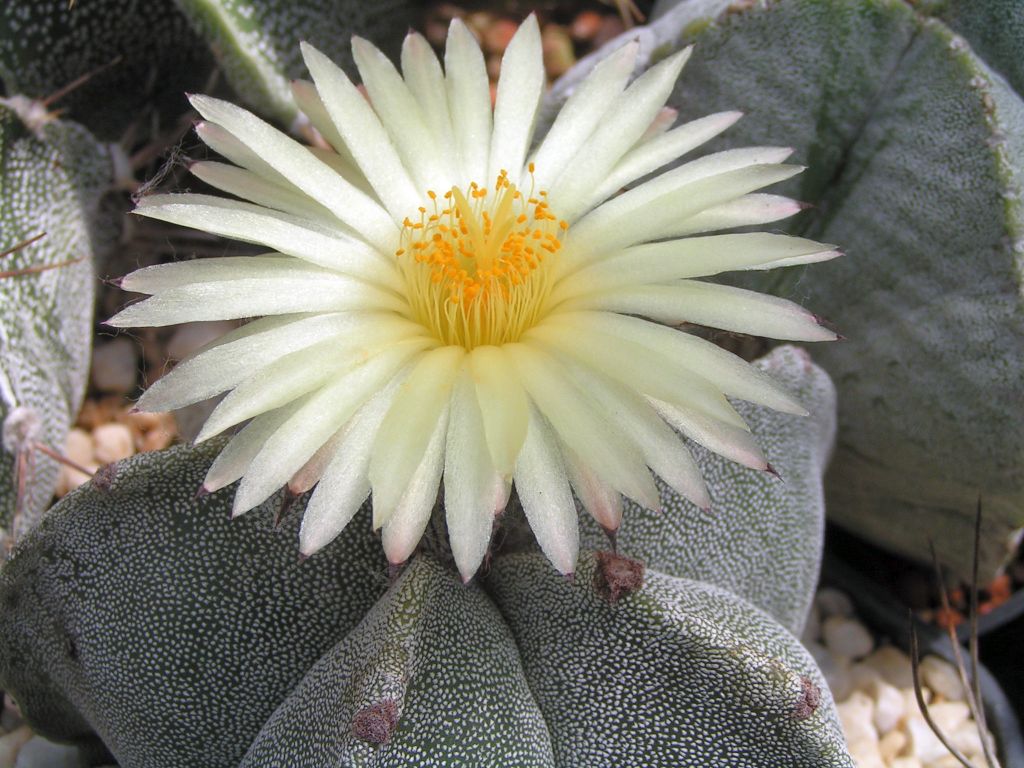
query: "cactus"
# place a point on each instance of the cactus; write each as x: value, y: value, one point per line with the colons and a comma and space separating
x: 110, y: 61
x: 183, y: 638
x: 914, y: 152
x: 52, y: 174
x: 257, y: 41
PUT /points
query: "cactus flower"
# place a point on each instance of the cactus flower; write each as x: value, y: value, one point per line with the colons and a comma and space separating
x: 446, y: 303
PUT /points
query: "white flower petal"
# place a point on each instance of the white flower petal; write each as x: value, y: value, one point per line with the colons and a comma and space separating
x: 345, y: 484
x: 309, y: 101
x: 646, y: 212
x: 634, y: 111
x: 301, y: 168
x: 643, y: 220
x: 749, y: 210
x: 163, y: 277
x: 250, y: 186
x: 242, y: 352
x: 582, y: 112
x: 287, y: 378
x: 403, y: 437
x: 223, y: 143
x: 364, y: 135
x: 503, y: 405
x: 469, y: 102
x: 404, y: 527
x: 724, y: 439
x: 601, y: 501
x: 234, y: 460
x: 662, y: 449
x: 249, y: 297
x: 280, y: 231
x: 664, y: 120
x: 544, y: 493
x: 321, y: 415
x: 662, y: 150
x: 670, y: 260
x: 648, y: 371
x: 518, y: 98
x: 402, y: 118
x: 581, y: 425
x: 716, y: 306
x: 425, y: 79
x: 309, y: 474
x: 728, y: 373
x: 473, y: 490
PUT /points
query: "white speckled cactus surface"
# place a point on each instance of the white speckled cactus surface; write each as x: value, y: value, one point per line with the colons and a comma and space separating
x: 494, y: 478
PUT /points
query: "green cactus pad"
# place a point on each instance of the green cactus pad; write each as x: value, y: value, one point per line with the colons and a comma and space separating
x: 679, y: 674
x: 136, y: 54
x: 257, y: 41
x: 994, y: 28
x: 51, y: 179
x: 439, y: 654
x: 762, y: 537
x: 915, y: 152
x: 170, y: 629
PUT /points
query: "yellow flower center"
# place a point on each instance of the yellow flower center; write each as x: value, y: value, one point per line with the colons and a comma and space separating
x: 477, y: 265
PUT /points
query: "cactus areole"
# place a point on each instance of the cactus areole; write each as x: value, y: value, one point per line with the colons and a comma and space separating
x: 446, y: 301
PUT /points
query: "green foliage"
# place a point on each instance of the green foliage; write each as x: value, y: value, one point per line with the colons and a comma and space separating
x: 257, y: 41
x: 914, y: 148
x: 139, y: 55
x: 51, y: 179
x: 994, y: 28
x: 174, y: 632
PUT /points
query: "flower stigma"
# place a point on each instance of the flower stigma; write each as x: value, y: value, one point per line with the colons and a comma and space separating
x: 477, y: 264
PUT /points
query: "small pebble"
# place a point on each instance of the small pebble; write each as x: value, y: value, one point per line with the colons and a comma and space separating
x: 864, y: 678
x: 875, y: 697
x: 855, y: 714
x: 924, y: 745
x: 847, y: 637
x: 891, y: 745
x: 113, y: 443
x: 115, y: 366
x: 889, y: 707
x: 79, y: 448
x: 40, y: 753
x: 967, y: 739
x: 949, y: 715
x: 832, y: 602
x: 893, y: 665
x: 942, y: 678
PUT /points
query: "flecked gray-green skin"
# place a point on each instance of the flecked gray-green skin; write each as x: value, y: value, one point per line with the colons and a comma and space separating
x: 681, y: 674
x: 170, y: 629
x: 443, y: 653
x: 914, y: 150
x: 45, y: 46
x: 174, y: 633
x: 49, y: 183
x: 257, y: 41
x: 994, y: 28
x: 762, y: 539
